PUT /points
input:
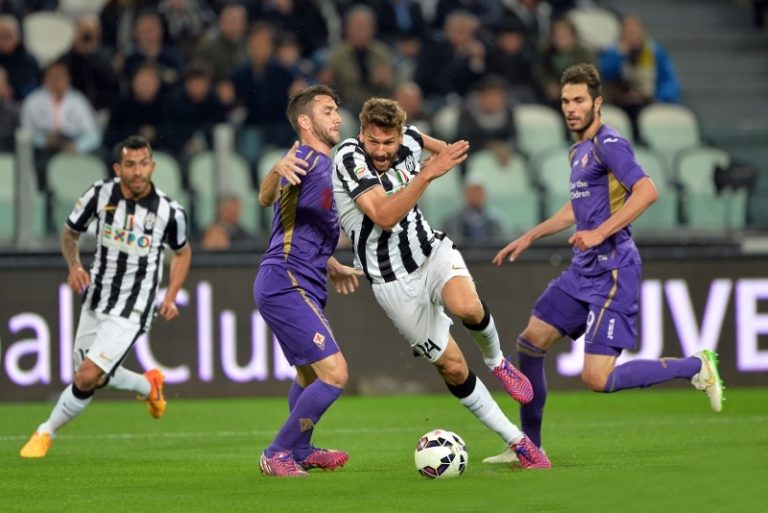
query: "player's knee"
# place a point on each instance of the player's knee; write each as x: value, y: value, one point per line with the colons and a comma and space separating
x: 454, y: 372
x: 86, y: 381
x: 594, y: 380
x: 469, y: 310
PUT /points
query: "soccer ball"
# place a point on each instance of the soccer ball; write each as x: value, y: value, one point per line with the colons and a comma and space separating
x: 441, y: 454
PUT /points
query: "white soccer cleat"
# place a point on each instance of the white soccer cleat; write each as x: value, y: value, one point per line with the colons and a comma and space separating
x: 708, y: 379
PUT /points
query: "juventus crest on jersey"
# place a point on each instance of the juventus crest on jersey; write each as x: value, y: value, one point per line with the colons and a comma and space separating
x: 383, y: 255
x: 131, y: 238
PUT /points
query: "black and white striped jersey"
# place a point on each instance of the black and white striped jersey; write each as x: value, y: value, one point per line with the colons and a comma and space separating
x: 383, y: 255
x: 131, y: 238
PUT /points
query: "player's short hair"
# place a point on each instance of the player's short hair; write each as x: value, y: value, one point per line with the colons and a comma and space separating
x: 302, y: 102
x: 383, y: 113
x: 132, y: 142
x: 583, y: 74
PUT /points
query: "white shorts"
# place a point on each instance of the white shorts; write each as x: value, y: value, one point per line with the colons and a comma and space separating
x: 104, y: 339
x: 415, y: 303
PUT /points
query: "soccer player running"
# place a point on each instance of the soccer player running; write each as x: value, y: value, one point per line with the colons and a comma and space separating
x: 135, y: 222
x: 415, y: 271
x: 291, y: 285
x: 597, y: 296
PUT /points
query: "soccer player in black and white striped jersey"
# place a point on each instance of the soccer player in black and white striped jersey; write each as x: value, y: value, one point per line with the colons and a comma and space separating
x: 415, y: 271
x: 135, y: 222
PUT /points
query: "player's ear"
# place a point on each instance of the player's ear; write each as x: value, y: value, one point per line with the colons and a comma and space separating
x: 304, y: 121
x: 116, y: 168
x: 598, y: 103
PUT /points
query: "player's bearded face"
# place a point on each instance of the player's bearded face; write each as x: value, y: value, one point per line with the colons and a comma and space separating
x: 326, y: 121
x: 135, y: 172
x: 578, y: 107
x: 381, y: 145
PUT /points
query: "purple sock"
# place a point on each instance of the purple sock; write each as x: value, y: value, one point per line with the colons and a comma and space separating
x: 307, y: 411
x: 644, y: 373
x: 302, y: 445
x: 532, y: 365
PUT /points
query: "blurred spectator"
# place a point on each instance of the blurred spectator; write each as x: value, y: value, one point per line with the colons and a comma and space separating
x: 226, y: 232
x: 561, y: 52
x: 59, y: 118
x: 118, y: 18
x: 262, y: 87
x: 9, y: 113
x: 193, y: 111
x: 451, y: 62
x: 394, y: 18
x: 149, y: 46
x: 302, y: 18
x: 473, y: 225
x: 487, y: 119
x: 288, y: 55
x: 361, y: 66
x: 408, y: 95
x: 138, y: 111
x: 407, y: 49
x: 637, y: 71
x: 224, y: 50
x: 533, y: 16
x: 90, y: 64
x: 21, y: 66
x: 486, y: 11
x: 186, y: 22
x: 511, y: 59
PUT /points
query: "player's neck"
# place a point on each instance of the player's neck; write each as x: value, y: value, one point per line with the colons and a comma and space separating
x: 316, y: 144
x: 591, y: 130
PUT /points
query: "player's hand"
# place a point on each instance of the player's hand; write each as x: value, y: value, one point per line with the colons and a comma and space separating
x: 586, y: 239
x: 290, y: 166
x: 344, y: 278
x: 168, y: 310
x: 78, y: 279
x: 512, y: 250
x: 448, y: 157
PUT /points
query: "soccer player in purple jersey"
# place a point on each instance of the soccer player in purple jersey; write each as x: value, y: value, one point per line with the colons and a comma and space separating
x: 291, y: 286
x: 597, y: 296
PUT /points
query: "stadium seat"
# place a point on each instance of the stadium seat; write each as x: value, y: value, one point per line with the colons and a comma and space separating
x: 69, y: 176
x: 47, y: 35
x: 616, y: 118
x: 539, y: 128
x: 7, y: 197
x: 511, y: 198
x: 663, y: 214
x: 75, y: 8
x: 668, y: 128
x: 445, y: 122
x: 703, y: 207
x: 553, y: 175
x: 598, y: 28
x: 236, y: 179
x: 167, y: 178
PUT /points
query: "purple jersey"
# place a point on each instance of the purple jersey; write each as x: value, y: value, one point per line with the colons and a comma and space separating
x: 603, y: 171
x: 305, y: 228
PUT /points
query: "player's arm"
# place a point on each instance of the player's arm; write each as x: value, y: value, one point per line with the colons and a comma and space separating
x: 561, y: 220
x: 386, y: 211
x: 432, y: 144
x: 182, y: 258
x: 644, y: 194
x: 290, y: 167
x: 78, y: 278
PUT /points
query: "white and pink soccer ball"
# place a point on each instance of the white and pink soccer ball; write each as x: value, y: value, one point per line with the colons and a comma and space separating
x: 441, y: 454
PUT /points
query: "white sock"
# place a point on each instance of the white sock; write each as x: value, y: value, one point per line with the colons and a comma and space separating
x: 487, y: 340
x: 130, y: 381
x: 67, y: 408
x: 482, y: 405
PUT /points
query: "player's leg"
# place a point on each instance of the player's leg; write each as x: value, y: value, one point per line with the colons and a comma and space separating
x: 474, y: 395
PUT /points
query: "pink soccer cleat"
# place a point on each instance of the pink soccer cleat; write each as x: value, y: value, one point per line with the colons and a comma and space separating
x: 281, y: 464
x: 514, y: 381
x: 529, y: 455
x: 326, y: 459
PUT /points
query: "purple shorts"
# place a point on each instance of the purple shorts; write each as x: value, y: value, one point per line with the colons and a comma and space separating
x: 294, y: 315
x: 602, y: 307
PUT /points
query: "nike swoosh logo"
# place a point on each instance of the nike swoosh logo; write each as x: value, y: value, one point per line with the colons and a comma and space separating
x: 457, y: 267
x: 105, y: 357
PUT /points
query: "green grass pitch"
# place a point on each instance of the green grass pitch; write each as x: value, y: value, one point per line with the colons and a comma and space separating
x: 658, y: 450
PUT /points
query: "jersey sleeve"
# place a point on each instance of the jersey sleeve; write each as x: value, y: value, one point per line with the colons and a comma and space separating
x: 84, y: 210
x: 352, y: 169
x: 176, y: 231
x: 617, y: 155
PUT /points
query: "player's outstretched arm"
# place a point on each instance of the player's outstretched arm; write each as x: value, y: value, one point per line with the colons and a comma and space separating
x: 561, y: 220
x: 387, y: 211
x: 179, y: 270
x: 289, y: 166
x: 78, y: 278
x: 344, y: 277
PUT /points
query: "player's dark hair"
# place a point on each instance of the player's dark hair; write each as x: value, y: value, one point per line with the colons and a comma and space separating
x: 132, y: 142
x: 583, y: 74
x: 301, y: 102
x: 383, y: 113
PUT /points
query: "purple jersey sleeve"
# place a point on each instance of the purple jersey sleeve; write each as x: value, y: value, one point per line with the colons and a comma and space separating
x: 617, y: 155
